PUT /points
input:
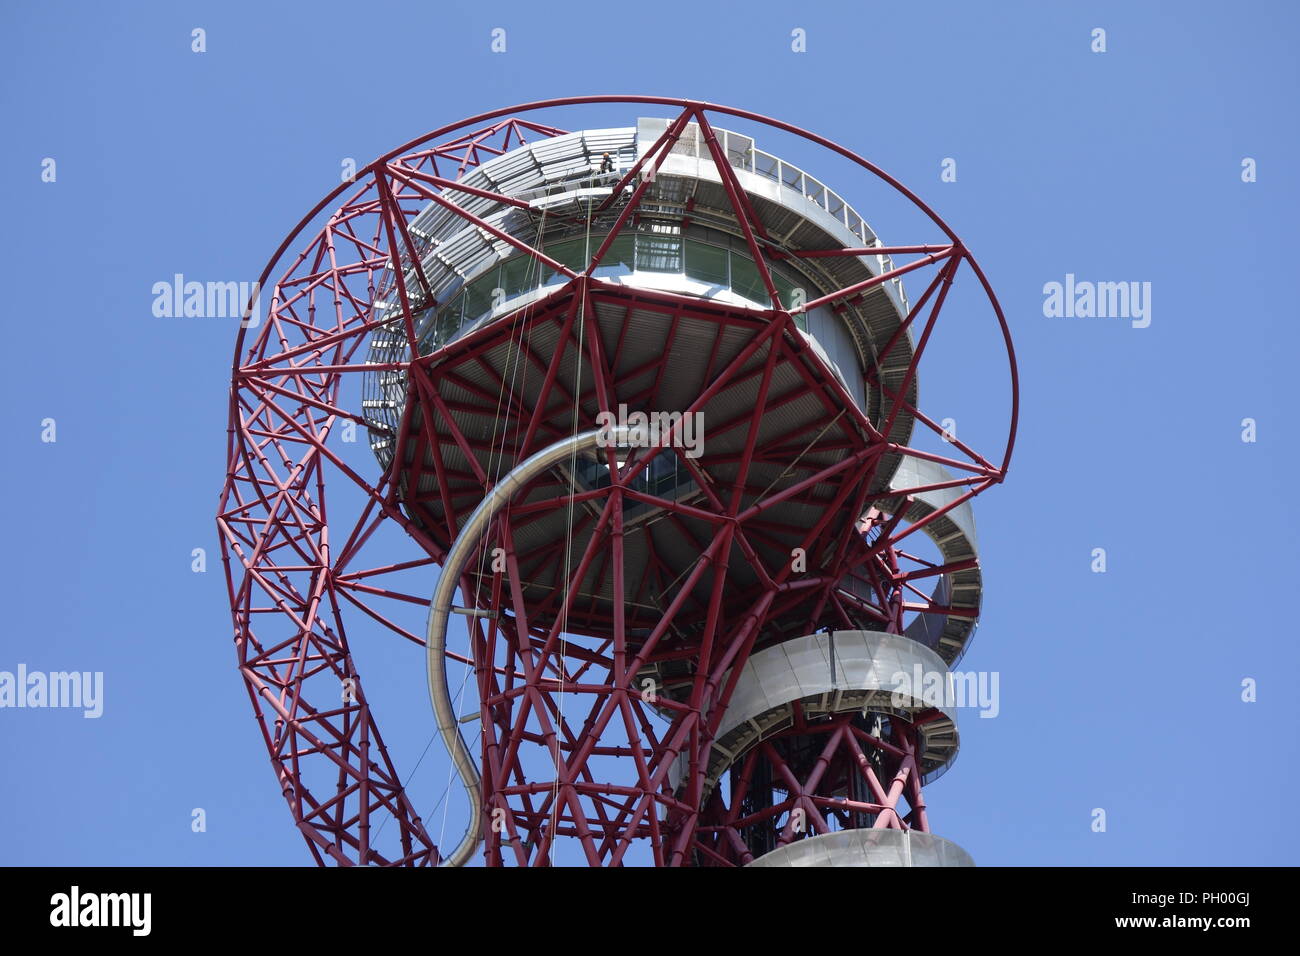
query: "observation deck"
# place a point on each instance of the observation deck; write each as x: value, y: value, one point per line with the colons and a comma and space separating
x: 676, y: 296
x: 687, y: 242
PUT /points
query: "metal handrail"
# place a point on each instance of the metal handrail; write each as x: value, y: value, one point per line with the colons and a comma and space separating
x: 797, y: 180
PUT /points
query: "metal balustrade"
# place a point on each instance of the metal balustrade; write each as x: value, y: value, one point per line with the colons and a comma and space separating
x: 742, y: 154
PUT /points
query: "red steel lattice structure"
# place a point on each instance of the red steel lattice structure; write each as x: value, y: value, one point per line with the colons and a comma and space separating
x: 601, y: 717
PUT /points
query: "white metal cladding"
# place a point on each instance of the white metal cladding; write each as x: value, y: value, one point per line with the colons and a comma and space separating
x: 834, y: 673
x: 954, y: 534
x: 868, y: 848
x: 823, y: 664
x: 916, y: 472
x: 835, y: 347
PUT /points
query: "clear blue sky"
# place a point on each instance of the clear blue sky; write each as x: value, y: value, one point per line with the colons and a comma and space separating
x: 1119, y: 690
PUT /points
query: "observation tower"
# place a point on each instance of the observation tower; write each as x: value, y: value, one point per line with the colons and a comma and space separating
x: 642, y: 401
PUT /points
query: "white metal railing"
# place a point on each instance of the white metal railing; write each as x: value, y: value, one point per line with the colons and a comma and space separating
x: 742, y: 154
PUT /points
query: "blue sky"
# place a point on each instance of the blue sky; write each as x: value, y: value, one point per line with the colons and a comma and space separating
x: 1119, y: 690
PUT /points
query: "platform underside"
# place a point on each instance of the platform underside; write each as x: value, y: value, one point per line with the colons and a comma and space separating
x: 769, y: 422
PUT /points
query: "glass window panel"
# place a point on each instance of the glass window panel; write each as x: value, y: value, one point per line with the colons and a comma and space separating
x: 572, y: 252
x: 449, y: 320
x: 618, y: 258
x: 666, y: 474
x: 518, y: 275
x: 740, y: 150
x: 546, y: 273
x: 688, y: 141
x: 658, y: 253
x: 815, y: 191
x: 765, y: 164
x: 745, y: 280
x: 706, y: 263
x: 423, y: 319
x: 478, y: 295
x: 665, y: 463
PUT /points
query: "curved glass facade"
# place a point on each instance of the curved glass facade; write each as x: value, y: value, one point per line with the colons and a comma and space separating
x: 719, y: 267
